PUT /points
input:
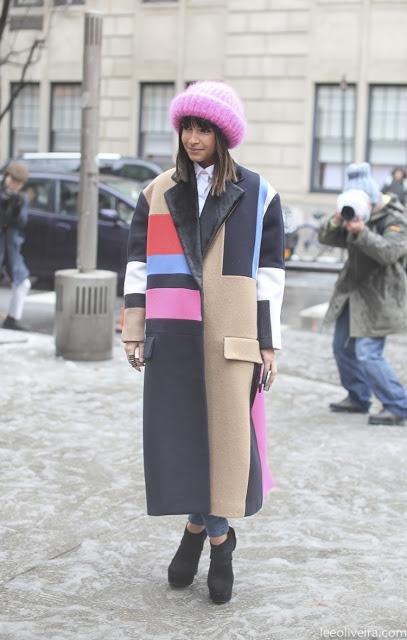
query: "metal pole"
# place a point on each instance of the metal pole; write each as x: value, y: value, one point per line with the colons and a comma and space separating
x: 85, y: 297
x: 88, y: 192
x: 343, y: 85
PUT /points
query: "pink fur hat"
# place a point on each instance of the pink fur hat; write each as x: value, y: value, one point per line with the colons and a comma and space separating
x: 213, y: 101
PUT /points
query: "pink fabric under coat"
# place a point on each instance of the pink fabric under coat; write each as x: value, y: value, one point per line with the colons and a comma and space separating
x: 260, y: 429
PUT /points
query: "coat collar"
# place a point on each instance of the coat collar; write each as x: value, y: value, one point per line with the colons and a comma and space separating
x: 238, y: 169
x: 182, y: 201
x: 197, y: 234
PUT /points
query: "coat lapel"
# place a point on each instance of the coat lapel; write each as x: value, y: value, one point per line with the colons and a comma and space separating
x: 215, y: 212
x: 197, y: 234
x: 182, y: 201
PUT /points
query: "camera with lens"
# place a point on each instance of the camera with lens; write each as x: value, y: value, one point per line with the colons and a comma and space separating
x: 348, y: 213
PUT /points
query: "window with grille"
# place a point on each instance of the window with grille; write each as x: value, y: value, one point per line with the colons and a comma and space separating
x: 387, y: 131
x: 334, y: 130
x: 156, y: 133
x: 25, y: 120
x: 65, y: 117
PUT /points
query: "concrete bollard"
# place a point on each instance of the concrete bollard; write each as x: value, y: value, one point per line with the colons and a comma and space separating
x: 84, y: 319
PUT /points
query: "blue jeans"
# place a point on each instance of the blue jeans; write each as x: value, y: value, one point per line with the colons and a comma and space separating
x: 11, y: 241
x: 215, y: 526
x: 363, y: 370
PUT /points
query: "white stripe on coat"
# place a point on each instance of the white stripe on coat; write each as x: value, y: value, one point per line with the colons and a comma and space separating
x: 136, y: 277
x: 270, y: 286
x: 271, y: 192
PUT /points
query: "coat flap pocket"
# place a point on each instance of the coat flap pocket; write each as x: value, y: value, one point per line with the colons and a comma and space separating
x: 246, y: 349
x: 148, y: 347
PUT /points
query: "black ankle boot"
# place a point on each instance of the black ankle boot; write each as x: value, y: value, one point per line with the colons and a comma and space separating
x: 184, y: 564
x: 220, y: 576
x: 12, y: 323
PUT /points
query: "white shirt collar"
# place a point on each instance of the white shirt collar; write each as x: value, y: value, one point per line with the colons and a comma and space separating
x: 209, y: 170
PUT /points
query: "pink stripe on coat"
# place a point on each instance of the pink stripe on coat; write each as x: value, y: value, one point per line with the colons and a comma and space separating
x: 260, y: 429
x: 177, y: 304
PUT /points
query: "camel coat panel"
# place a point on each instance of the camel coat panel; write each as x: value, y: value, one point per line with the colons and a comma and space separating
x: 204, y: 294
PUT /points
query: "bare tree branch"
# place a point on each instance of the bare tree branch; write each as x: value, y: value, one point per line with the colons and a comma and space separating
x: 20, y: 85
x: 11, y: 57
x: 4, y: 16
x: 14, y: 53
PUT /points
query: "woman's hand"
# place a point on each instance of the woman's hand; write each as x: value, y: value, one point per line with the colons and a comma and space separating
x: 135, y: 354
x: 269, y: 364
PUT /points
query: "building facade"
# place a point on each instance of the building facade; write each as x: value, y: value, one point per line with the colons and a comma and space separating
x: 324, y: 82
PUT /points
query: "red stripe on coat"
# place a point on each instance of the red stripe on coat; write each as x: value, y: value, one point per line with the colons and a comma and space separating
x: 162, y: 237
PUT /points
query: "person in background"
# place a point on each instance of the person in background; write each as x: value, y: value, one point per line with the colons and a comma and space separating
x: 13, y: 218
x: 370, y: 297
x: 397, y: 184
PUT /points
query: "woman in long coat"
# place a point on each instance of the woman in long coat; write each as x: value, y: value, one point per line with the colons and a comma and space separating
x: 203, y: 293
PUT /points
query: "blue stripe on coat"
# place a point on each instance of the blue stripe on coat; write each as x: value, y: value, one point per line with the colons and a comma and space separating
x: 169, y: 263
x: 261, y: 201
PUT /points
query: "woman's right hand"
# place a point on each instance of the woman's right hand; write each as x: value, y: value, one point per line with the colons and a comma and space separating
x: 135, y: 354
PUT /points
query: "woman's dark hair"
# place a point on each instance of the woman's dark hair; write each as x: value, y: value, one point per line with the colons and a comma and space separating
x: 225, y: 169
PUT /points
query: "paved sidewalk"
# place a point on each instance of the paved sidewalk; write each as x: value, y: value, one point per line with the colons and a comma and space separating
x: 80, y: 559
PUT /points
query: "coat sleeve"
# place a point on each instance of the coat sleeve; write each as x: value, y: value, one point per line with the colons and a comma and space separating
x: 385, y: 249
x: 333, y: 236
x: 135, y: 282
x: 271, y: 277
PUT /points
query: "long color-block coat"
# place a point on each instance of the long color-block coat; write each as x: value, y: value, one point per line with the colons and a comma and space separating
x: 205, y: 295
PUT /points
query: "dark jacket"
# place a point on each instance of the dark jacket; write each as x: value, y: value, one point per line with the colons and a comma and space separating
x: 398, y: 187
x: 13, y: 220
x: 374, y: 278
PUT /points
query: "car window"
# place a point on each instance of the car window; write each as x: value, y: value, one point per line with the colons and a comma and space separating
x: 39, y: 192
x: 106, y: 200
x: 136, y: 172
x: 124, y: 210
x: 129, y: 188
x: 69, y: 198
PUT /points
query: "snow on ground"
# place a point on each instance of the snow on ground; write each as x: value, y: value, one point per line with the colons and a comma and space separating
x: 80, y: 559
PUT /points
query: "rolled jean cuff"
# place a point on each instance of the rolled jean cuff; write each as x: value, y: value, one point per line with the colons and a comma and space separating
x: 216, y: 526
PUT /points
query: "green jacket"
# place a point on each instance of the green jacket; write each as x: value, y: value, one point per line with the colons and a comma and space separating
x: 374, y: 278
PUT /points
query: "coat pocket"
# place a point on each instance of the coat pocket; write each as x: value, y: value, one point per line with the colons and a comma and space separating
x: 148, y: 347
x: 246, y: 349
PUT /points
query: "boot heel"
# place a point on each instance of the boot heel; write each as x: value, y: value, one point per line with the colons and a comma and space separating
x: 220, y: 575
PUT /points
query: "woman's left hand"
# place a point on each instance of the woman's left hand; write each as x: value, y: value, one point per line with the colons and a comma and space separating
x: 269, y: 364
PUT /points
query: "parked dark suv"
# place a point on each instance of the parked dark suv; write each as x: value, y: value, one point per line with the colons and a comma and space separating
x: 51, y: 232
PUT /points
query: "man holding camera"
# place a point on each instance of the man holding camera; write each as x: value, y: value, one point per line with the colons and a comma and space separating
x: 370, y: 297
x: 13, y: 218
